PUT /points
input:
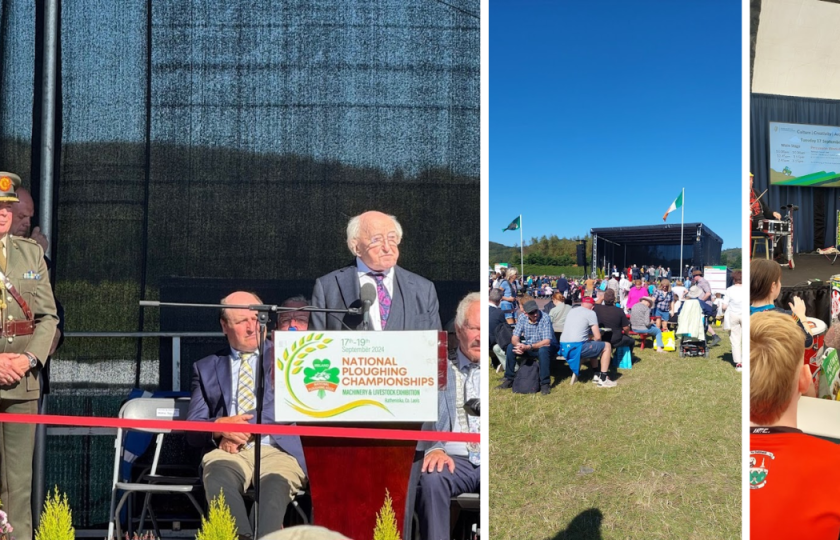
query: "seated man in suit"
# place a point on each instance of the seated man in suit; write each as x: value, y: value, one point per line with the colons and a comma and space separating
x: 404, y: 300
x: 450, y: 469
x: 223, y: 391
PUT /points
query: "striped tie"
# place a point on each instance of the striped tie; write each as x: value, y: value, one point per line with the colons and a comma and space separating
x: 384, y: 299
x: 246, y: 401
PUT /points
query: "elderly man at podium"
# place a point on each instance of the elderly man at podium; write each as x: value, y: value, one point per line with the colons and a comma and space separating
x: 402, y: 300
x: 453, y: 468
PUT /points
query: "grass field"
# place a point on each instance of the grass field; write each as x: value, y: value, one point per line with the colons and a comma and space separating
x: 656, y: 457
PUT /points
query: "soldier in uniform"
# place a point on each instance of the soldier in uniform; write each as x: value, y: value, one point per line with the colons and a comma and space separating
x: 29, y: 319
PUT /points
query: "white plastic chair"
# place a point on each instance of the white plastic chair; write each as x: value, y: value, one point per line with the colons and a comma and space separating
x: 150, y: 483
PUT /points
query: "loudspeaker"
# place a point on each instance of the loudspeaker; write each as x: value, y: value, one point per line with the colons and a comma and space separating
x: 581, y: 254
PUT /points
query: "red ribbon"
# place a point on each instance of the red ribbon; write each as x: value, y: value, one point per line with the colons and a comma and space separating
x: 262, y: 429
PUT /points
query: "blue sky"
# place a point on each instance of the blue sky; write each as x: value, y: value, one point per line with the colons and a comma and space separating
x: 600, y: 113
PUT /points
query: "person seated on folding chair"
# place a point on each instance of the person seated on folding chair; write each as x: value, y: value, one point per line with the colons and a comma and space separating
x: 452, y: 468
x: 576, y: 345
x: 223, y: 391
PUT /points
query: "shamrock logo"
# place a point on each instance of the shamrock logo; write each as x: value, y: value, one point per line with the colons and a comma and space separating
x: 320, y: 377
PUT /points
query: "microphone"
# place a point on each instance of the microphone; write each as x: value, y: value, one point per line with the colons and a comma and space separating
x: 368, y: 296
x: 473, y: 407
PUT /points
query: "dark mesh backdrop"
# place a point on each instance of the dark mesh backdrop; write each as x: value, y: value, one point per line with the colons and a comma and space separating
x: 17, y: 74
x: 231, y: 142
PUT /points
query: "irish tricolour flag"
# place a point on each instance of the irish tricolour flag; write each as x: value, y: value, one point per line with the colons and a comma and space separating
x: 674, y: 205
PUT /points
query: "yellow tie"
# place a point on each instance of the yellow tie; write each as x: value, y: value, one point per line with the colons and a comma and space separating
x: 3, y: 255
x: 246, y: 400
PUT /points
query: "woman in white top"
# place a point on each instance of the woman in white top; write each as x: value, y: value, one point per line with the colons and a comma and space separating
x: 679, y: 294
x: 732, y: 316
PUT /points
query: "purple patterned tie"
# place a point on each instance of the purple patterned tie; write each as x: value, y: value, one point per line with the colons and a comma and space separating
x: 384, y: 299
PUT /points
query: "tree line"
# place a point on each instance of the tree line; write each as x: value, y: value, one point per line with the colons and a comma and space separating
x: 543, y: 251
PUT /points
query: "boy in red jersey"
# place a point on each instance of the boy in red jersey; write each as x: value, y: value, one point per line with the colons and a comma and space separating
x: 793, y: 494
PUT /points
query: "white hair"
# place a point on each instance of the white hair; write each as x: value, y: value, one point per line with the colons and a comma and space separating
x: 464, y: 306
x: 354, y: 229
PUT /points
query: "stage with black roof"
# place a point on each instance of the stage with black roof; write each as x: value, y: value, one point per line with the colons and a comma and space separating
x: 656, y: 244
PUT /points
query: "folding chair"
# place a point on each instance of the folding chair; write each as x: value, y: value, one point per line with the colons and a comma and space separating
x: 466, y: 502
x: 150, y: 482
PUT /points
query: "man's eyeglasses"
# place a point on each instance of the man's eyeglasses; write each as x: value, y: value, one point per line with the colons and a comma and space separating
x: 392, y: 240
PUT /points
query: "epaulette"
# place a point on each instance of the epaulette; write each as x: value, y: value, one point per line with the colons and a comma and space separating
x: 22, y: 238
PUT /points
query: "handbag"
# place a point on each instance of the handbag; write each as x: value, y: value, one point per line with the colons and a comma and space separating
x: 669, y: 341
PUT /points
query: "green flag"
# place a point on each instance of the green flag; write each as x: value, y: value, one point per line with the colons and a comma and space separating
x: 513, y: 225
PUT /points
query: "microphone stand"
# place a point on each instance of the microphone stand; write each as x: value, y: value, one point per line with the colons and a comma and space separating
x: 262, y: 320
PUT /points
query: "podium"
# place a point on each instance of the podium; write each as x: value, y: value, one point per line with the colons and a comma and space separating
x: 374, y: 380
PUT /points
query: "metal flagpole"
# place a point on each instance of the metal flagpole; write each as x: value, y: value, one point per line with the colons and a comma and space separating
x: 682, y: 225
x: 521, y: 248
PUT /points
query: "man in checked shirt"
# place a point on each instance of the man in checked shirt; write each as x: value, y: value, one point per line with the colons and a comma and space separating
x: 534, y: 337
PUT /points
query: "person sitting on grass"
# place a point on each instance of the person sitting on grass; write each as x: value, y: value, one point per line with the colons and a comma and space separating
x: 784, y: 461
x: 640, y: 321
x: 577, y: 346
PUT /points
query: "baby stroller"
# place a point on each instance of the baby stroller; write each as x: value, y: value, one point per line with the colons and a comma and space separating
x: 691, y: 329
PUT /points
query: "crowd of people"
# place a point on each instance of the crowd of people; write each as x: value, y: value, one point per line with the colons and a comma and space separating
x: 543, y: 286
x: 591, y: 318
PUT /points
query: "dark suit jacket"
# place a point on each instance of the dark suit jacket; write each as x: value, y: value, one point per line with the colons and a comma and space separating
x: 414, y: 303
x: 563, y: 285
x: 496, y: 318
x: 211, y: 387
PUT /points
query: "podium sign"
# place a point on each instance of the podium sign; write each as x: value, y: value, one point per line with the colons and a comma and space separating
x: 356, y: 376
